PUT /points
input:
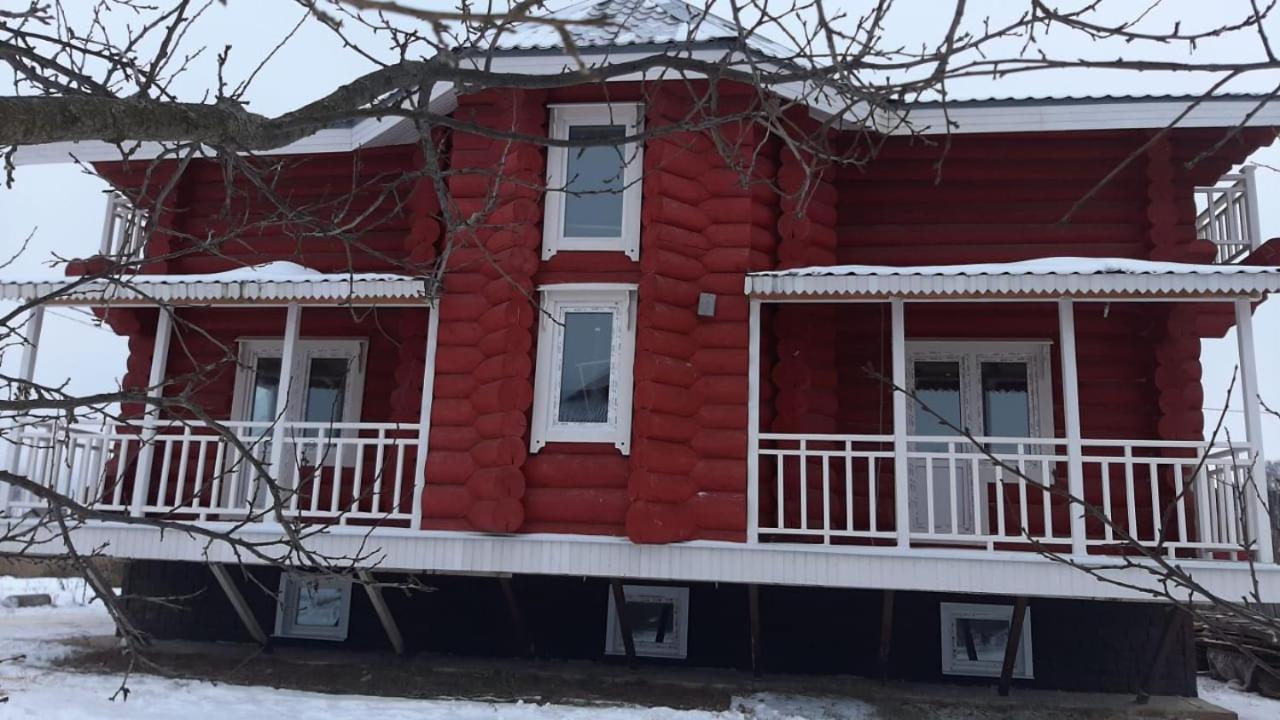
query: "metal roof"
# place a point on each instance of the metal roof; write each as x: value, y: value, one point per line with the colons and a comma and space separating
x: 270, y: 283
x: 1051, y: 277
x: 632, y: 23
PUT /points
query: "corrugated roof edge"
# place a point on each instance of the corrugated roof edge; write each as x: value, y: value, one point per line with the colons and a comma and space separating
x: 1085, y: 99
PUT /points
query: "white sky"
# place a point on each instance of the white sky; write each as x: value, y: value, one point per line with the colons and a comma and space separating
x: 61, y: 207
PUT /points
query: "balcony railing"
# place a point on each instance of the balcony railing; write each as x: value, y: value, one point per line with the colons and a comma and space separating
x: 123, y: 229
x: 1184, y: 499
x: 1228, y: 215
x: 343, y: 473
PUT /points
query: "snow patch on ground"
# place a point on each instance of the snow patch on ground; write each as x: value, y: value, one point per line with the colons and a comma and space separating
x: 1249, y: 706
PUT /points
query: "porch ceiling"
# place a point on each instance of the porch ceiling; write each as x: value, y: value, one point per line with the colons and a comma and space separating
x: 1106, y: 278
x: 270, y: 283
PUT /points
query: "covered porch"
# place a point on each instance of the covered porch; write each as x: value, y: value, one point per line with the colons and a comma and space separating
x: 290, y: 374
x: 955, y: 421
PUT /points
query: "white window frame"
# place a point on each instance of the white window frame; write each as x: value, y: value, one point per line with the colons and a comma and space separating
x: 675, y: 647
x: 287, y: 608
x: 971, y: 354
x: 251, y: 349
x: 564, y: 117
x: 557, y: 301
x: 1023, y: 667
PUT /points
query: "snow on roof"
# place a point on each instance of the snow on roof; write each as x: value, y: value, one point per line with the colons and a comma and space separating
x: 273, y: 281
x: 1064, y: 276
x: 634, y: 22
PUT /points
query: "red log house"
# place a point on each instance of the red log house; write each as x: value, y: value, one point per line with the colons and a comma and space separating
x: 697, y: 419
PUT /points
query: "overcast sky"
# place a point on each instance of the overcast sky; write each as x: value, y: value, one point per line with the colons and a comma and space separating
x: 61, y: 208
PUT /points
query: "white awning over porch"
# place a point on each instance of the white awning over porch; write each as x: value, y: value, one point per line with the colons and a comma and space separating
x: 270, y: 283
x: 1046, y: 277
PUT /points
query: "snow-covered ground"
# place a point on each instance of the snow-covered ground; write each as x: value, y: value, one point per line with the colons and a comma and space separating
x: 37, y: 690
x: 32, y: 639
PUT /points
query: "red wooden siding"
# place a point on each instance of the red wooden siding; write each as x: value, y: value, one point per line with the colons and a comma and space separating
x: 997, y: 198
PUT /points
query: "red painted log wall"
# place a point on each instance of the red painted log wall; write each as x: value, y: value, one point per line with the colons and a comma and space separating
x: 996, y: 198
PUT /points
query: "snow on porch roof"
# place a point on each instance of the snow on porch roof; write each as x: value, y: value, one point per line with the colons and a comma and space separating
x: 274, y: 282
x: 1062, y: 276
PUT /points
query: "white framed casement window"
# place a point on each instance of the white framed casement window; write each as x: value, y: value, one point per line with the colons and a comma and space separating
x: 313, y: 608
x: 593, y: 188
x: 993, y: 388
x: 974, y: 638
x: 659, y: 620
x: 328, y: 372
x: 583, y: 377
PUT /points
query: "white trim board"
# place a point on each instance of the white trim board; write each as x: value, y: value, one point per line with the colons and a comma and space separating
x: 924, y: 570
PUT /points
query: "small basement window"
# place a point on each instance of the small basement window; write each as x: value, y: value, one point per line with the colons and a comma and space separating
x: 593, y: 188
x: 659, y: 619
x: 313, y: 608
x: 974, y: 638
x: 582, y: 381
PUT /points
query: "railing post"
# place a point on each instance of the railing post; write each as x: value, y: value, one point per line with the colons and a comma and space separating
x: 155, y: 389
x: 1071, y: 411
x: 753, y: 422
x: 292, y: 323
x: 1256, y: 497
x: 424, y: 412
x: 1251, y: 207
x: 901, y: 479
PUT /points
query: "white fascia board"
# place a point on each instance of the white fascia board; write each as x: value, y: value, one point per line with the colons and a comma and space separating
x: 924, y: 570
x: 969, y: 118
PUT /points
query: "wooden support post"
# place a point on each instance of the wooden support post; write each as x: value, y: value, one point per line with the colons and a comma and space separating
x: 292, y: 329
x: 1071, y: 411
x: 155, y: 381
x: 517, y: 617
x: 901, y: 478
x: 237, y: 601
x: 624, y: 623
x: 381, y: 610
x: 424, y: 412
x: 886, y: 632
x: 1256, y: 495
x: 1171, y: 625
x: 1013, y: 645
x: 753, y: 422
x: 753, y: 611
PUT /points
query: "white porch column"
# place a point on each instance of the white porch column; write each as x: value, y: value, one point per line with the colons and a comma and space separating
x: 753, y: 422
x: 1257, y: 496
x: 901, y: 479
x: 26, y: 374
x: 1071, y: 411
x: 424, y: 412
x: 150, y: 416
x: 1251, y: 207
x: 292, y: 323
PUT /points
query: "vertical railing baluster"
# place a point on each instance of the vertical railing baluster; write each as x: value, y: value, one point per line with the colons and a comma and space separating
x: 804, y: 485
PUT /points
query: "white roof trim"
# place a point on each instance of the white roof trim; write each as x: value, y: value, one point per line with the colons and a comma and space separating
x: 1054, y: 277
x: 276, y: 282
x: 1072, y: 114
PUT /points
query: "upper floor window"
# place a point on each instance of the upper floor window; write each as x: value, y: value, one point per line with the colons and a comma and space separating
x: 586, y: 347
x: 593, y: 188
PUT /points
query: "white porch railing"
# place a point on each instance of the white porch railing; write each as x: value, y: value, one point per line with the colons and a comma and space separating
x: 123, y: 229
x: 1228, y: 215
x: 1188, y: 498
x: 337, y: 473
